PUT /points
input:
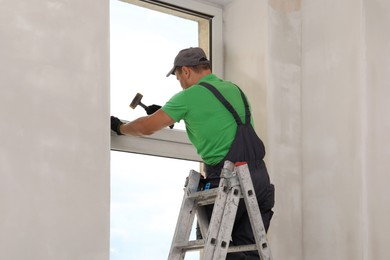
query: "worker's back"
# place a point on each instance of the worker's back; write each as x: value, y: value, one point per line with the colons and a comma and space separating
x: 210, y: 126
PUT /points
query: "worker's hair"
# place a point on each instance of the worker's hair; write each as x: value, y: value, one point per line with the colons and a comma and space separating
x: 197, y: 68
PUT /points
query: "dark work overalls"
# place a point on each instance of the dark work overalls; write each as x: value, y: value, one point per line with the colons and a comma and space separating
x: 247, y: 147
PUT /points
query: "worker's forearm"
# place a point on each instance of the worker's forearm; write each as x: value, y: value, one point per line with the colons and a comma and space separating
x: 147, y: 125
x: 137, y: 127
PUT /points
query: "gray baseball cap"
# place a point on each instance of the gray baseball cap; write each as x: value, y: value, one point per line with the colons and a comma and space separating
x: 189, y: 57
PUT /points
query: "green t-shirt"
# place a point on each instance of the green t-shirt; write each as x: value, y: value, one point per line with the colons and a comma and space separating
x: 210, y: 126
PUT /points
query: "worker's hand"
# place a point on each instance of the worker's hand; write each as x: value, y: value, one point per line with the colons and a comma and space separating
x: 115, y: 125
x: 151, y: 109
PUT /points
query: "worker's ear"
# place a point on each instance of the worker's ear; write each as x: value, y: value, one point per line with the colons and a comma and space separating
x: 186, y: 71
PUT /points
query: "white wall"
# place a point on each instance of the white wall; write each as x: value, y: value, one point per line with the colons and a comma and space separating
x: 54, y: 134
x: 284, y: 87
x: 317, y: 73
x: 262, y: 48
x: 376, y: 131
x: 245, y: 53
x: 332, y: 141
x: 346, y: 79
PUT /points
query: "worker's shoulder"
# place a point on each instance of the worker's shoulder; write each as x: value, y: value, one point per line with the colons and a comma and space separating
x: 217, y: 83
x: 224, y: 87
x: 196, y: 91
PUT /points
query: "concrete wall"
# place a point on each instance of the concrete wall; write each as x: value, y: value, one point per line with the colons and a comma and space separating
x: 376, y: 131
x: 332, y: 124
x: 317, y: 73
x: 346, y: 88
x: 54, y: 135
x: 284, y: 124
x: 262, y: 55
x: 245, y: 51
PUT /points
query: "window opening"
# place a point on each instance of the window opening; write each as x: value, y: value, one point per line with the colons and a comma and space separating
x: 146, y: 191
x: 144, y: 43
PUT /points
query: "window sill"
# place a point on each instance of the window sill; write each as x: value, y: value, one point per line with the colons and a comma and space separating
x: 169, y: 143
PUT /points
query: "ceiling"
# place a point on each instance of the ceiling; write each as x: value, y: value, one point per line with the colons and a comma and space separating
x: 218, y: 2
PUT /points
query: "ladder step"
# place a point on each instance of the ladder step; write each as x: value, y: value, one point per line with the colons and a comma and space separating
x: 199, y: 244
x: 204, y: 197
x: 190, y: 245
x: 233, y: 249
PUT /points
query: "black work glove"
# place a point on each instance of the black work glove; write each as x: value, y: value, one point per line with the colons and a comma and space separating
x: 115, y: 124
x: 151, y: 109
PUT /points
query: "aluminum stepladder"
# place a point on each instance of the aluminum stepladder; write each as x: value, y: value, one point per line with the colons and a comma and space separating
x: 235, y: 183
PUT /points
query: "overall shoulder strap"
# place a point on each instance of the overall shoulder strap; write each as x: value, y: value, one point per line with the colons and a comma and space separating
x: 228, y: 106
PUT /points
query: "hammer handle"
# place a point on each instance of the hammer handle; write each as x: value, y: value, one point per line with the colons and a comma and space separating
x: 142, y: 105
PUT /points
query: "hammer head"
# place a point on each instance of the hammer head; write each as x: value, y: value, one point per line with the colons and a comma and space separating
x: 136, y: 101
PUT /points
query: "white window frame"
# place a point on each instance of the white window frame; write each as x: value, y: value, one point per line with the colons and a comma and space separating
x: 174, y: 143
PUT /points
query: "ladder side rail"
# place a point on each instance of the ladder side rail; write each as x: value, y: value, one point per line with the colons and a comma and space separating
x: 215, y: 222
x: 253, y: 212
x: 227, y: 223
x: 186, y: 217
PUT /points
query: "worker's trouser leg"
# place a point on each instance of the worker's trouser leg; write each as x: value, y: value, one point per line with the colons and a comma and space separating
x: 242, y: 233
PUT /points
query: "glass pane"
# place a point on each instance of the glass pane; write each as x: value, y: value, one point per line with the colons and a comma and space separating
x: 146, y: 195
x: 144, y: 44
x: 146, y: 191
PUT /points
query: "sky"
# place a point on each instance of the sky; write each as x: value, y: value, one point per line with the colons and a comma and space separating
x: 146, y: 191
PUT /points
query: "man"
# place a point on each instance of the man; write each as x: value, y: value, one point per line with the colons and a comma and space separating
x: 218, y: 123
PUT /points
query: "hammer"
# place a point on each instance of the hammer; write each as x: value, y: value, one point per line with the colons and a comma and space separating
x: 149, y: 109
x: 137, y: 101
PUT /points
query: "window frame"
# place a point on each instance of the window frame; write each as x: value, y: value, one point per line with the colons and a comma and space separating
x: 173, y: 143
